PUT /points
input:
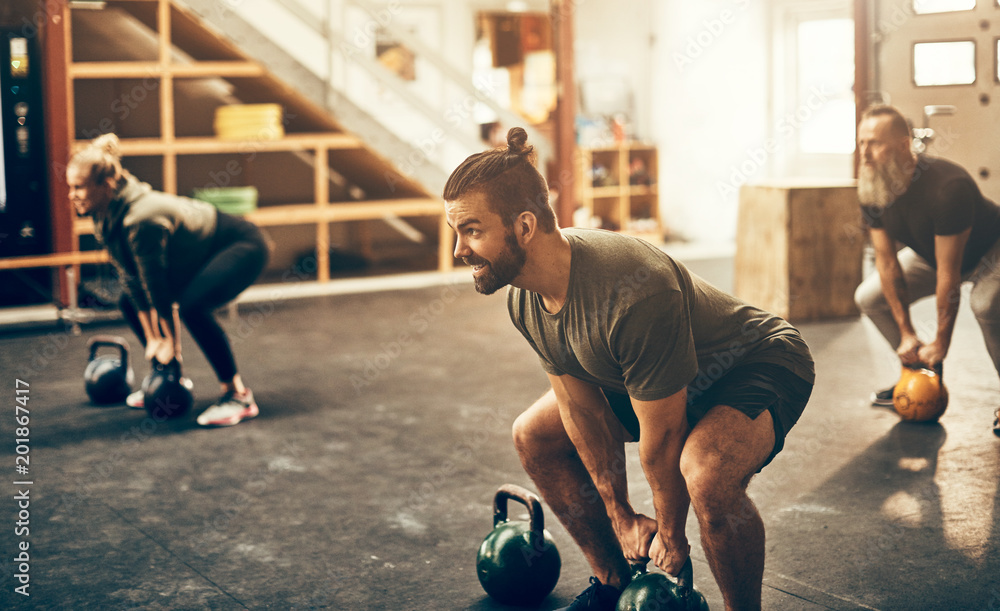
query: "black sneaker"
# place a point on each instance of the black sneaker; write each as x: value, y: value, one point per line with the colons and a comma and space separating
x: 996, y: 423
x: 883, y: 398
x: 598, y: 597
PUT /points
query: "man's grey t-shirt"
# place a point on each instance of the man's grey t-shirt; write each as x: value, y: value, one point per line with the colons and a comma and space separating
x: 942, y: 199
x: 636, y: 321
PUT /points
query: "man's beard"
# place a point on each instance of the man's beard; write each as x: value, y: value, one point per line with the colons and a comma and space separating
x: 880, y: 186
x: 502, y: 270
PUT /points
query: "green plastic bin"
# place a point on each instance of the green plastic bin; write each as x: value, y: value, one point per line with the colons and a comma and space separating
x: 231, y: 200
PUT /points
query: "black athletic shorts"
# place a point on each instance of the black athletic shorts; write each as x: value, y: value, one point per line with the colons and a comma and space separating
x: 750, y: 388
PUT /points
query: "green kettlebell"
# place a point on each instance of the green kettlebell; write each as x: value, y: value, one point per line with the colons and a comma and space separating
x: 108, y: 377
x: 518, y: 563
x: 656, y: 592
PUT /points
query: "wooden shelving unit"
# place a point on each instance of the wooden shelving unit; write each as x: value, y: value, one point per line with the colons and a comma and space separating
x: 364, y: 170
x: 617, y: 186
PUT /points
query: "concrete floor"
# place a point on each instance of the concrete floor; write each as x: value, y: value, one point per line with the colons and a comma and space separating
x: 367, y: 480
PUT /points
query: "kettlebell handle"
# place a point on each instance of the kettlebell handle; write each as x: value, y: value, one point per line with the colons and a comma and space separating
x: 938, y: 369
x: 174, y: 367
x: 523, y: 496
x: 684, y: 579
x: 99, y: 341
x: 637, y: 569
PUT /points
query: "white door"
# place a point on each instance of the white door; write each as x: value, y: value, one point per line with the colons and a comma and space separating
x: 937, y: 61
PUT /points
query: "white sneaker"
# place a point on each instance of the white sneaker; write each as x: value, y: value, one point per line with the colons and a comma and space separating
x: 137, y: 400
x: 229, y: 410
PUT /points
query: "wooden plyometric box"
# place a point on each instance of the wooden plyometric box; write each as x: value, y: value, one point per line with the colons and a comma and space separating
x: 799, y: 249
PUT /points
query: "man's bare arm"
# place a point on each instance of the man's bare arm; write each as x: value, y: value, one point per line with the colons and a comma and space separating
x: 948, y: 251
x: 664, y: 428
x: 599, y: 439
x: 895, y: 291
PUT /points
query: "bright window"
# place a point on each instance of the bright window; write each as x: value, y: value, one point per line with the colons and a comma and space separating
x: 825, y: 86
x: 944, y: 63
x: 924, y: 7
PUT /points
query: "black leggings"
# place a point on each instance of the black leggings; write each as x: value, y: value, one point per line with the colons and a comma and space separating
x: 239, y: 255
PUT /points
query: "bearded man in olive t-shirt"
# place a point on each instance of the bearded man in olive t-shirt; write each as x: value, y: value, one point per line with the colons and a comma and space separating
x: 636, y: 348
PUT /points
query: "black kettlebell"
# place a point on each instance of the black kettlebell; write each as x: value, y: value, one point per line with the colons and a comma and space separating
x: 166, y: 397
x: 518, y: 563
x: 108, y: 377
x: 656, y: 592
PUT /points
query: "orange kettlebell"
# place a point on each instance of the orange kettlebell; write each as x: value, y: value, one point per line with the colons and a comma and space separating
x: 920, y: 395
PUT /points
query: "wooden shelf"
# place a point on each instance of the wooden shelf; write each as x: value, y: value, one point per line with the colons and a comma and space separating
x: 303, y: 214
x: 122, y: 70
x: 337, y: 212
x: 618, y: 204
x: 607, y: 191
x: 211, y: 145
x: 61, y: 259
x: 640, y: 190
x: 331, y: 151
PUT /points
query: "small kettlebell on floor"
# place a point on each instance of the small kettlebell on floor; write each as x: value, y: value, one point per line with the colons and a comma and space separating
x: 518, y: 563
x: 920, y: 395
x: 108, y: 377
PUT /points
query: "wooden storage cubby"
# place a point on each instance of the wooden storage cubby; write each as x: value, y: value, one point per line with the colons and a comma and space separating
x: 617, y: 186
x: 159, y: 133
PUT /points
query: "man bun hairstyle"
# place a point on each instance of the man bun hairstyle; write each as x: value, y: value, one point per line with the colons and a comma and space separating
x: 517, y: 143
x: 101, y: 159
x: 898, y: 123
x: 509, y: 180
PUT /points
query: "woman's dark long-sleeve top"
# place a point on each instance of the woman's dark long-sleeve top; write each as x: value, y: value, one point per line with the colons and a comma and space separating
x: 157, y: 241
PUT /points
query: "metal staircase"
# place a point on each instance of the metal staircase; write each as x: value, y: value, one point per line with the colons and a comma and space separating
x: 448, y: 139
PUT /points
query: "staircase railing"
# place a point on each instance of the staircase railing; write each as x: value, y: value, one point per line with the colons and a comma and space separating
x: 456, y: 76
x: 459, y: 139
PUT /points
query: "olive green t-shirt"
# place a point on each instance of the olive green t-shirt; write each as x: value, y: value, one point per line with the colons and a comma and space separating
x: 636, y: 321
